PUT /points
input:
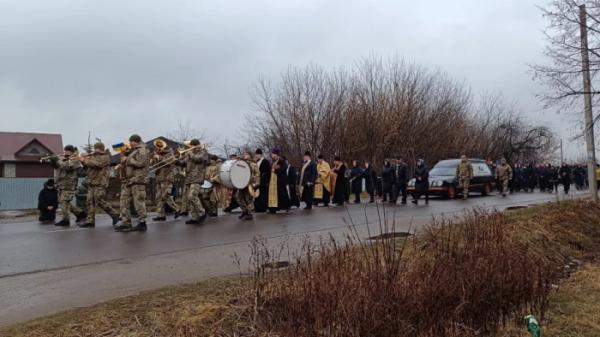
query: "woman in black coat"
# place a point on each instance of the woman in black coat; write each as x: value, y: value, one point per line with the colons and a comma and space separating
x: 340, y: 190
x: 421, y: 182
x: 48, y: 202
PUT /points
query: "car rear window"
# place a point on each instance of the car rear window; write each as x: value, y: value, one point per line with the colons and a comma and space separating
x: 481, y: 169
x: 443, y: 171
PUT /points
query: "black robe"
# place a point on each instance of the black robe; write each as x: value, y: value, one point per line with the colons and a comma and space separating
x: 47, y: 197
x: 340, y: 191
x: 261, y: 203
x: 279, y: 168
x: 292, y: 176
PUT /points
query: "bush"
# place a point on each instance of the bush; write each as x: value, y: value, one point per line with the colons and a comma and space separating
x: 456, y: 278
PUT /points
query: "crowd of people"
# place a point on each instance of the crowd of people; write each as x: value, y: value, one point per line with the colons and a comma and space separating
x: 275, y: 184
x: 548, y: 177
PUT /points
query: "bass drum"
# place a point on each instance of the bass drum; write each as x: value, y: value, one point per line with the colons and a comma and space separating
x: 235, y: 174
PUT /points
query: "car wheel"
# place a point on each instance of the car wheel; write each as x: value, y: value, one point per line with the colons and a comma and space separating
x: 487, y: 189
x: 451, y: 192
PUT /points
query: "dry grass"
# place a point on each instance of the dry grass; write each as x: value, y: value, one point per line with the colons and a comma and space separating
x: 574, y: 309
x: 458, y: 278
x: 200, y: 309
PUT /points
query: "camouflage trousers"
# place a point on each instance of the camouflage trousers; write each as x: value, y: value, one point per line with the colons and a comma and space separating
x: 135, y: 194
x: 504, y: 185
x: 163, y: 196
x: 66, y: 207
x: 96, y: 197
x: 209, y: 200
x: 184, y: 199
x: 464, y: 184
x: 245, y: 200
x: 194, y: 203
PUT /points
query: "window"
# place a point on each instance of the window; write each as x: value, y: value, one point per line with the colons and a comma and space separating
x: 481, y: 170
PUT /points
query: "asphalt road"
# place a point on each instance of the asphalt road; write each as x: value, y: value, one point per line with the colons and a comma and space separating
x: 44, y: 269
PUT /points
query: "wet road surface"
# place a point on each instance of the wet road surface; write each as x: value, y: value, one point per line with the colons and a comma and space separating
x: 45, y: 269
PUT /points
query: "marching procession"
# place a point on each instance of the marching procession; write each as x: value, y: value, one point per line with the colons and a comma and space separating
x: 254, y: 183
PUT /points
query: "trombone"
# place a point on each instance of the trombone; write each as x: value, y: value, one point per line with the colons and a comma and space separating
x: 167, y: 162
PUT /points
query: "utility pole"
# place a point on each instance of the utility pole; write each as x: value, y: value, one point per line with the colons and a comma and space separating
x: 561, y: 152
x: 587, y: 103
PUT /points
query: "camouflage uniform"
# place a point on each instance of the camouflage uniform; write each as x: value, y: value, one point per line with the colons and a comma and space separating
x: 195, y: 161
x: 243, y: 196
x: 165, y: 176
x: 504, y: 175
x: 98, y: 173
x: 66, y: 183
x: 134, y: 187
x: 464, y: 172
x: 209, y: 197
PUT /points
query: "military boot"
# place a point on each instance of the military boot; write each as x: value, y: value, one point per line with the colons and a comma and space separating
x: 159, y: 218
x: 63, y: 223
x: 87, y: 225
x: 115, y: 219
x: 123, y: 228
x: 81, y: 216
x: 141, y: 227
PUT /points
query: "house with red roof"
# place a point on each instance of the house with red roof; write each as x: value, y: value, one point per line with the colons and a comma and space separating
x: 20, y: 154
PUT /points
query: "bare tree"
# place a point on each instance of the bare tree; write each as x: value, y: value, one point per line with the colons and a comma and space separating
x: 185, y: 132
x: 381, y: 109
x: 561, y: 72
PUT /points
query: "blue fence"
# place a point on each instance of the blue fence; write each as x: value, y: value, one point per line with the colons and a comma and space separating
x: 20, y: 193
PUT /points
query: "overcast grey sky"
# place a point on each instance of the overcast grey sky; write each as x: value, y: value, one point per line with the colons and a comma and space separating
x: 121, y: 66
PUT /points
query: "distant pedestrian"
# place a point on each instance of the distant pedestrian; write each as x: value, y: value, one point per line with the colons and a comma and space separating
x: 48, y: 202
x: 464, y: 173
x: 564, y: 176
x: 421, y: 182
x: 356, y: 178
x: 399, y: 181
x: 292, y: 182
x: 386, y: 181
x: 340, y: 189
x: 308, y: 178
x: 504, y: 175
x: 370, y: 181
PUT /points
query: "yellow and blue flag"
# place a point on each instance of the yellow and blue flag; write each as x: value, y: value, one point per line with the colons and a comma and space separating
x: 120, y: 147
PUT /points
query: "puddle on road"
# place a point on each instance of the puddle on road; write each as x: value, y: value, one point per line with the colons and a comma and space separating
x: 276, y: 265
x: 391, y: 235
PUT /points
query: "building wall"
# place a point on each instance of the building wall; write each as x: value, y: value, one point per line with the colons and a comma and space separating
x: 10, y: 170
x: 17, y: 193
x: 33, y: 170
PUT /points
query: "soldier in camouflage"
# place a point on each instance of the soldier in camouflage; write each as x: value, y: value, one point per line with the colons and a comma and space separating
x: 464, y: 172
x: 244, y: 197
x: 504, y: 175
x: 209, y: 195
x: 165, y: 176
x: 183, y: 203
x: 97, y: 166
x: 195, y: 162
x: 133, y: 188
x: 66, y: 167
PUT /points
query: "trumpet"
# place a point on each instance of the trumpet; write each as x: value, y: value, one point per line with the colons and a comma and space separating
x: 47, y: 158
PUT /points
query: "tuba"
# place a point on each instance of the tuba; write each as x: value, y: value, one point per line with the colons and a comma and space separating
x: 159, y: 143
x: 254, y: 192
